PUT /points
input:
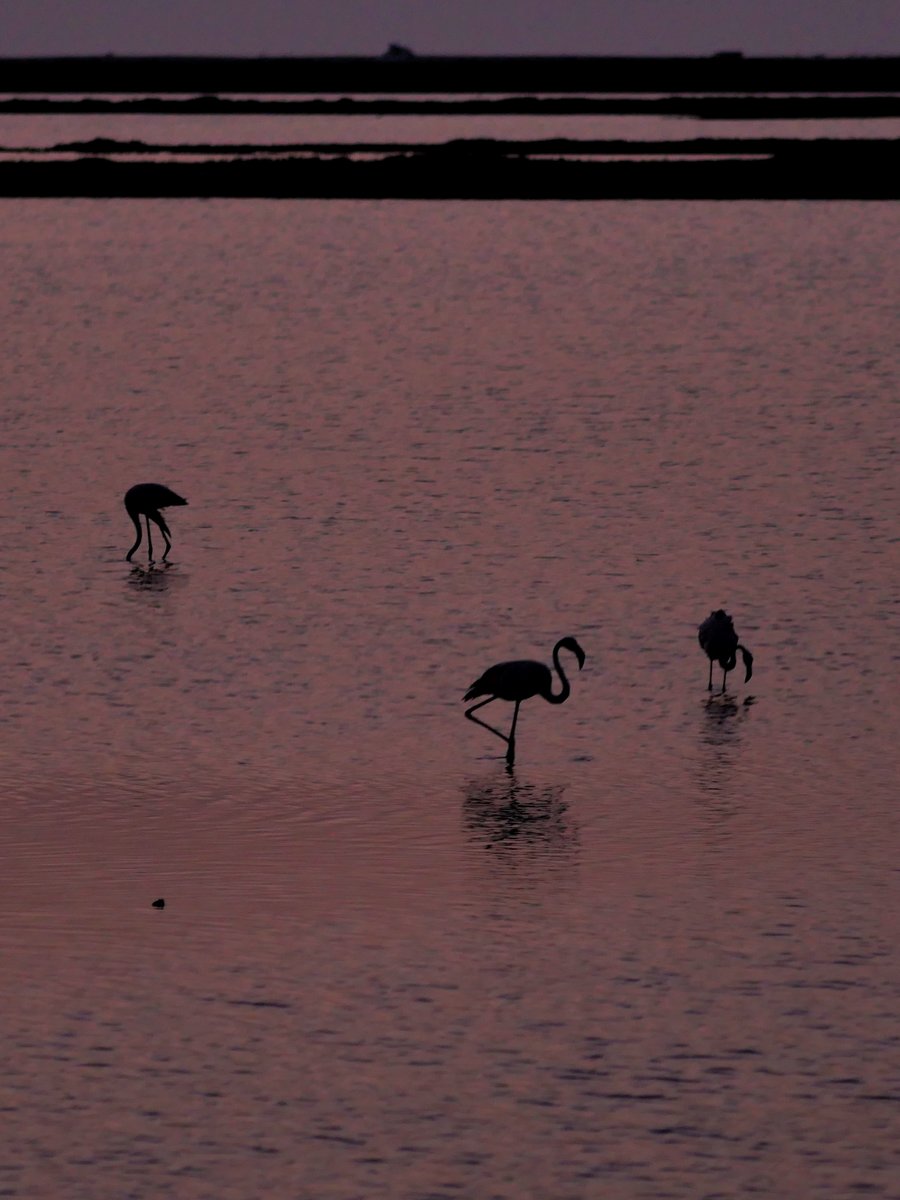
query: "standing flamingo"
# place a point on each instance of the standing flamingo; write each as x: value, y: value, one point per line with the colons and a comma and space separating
x: 146, y: 499
x: 518, y: 681
x: 718, y: 638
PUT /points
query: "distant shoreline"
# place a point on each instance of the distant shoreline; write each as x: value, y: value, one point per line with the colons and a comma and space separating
x: 729, y: 72
x: 722, y: 87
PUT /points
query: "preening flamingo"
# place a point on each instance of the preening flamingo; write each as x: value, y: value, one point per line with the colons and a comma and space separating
x: 720, y: 642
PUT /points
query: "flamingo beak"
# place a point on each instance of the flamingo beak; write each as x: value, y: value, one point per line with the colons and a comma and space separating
x: 571, y: 644
x: 748, y: 663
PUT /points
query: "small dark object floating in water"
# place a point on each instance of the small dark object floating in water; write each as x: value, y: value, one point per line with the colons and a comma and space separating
x: 160, y: 903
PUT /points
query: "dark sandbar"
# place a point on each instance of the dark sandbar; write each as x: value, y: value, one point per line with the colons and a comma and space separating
x: 725, y: 72
x: 798, y: 175
x: 713, y: 108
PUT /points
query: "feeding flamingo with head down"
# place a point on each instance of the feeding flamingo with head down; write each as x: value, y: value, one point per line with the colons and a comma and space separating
x: 145, y: 500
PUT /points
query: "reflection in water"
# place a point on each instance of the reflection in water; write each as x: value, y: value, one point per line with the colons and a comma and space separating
x: 720, y: 739
x: 504, y: 810
x: 155, y: 578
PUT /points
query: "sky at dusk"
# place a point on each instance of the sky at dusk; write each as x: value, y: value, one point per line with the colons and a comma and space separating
x: 273, y: 27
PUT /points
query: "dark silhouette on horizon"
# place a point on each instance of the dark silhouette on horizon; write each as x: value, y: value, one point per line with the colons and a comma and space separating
x: 520, y: 680
x: 719, y: 641
x: 146, y: 499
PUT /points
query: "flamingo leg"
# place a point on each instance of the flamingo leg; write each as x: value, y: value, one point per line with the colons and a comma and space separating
x: 709, y: 685
x: 511, y: 748
x: 484, y: 724
x: 168, y: 544
x: 149, y: 542
x: 724, y: 677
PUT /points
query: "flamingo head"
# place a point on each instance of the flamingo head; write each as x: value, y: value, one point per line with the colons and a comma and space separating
x: 569, y: 643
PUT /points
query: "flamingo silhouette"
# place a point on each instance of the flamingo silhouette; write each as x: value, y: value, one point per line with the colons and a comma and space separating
x: 518, y: 681
x: 720, y: 642
x: 146, y: 499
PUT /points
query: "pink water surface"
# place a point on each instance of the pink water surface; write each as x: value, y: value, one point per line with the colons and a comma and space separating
x: 39, y: 130
x: 656, y: 959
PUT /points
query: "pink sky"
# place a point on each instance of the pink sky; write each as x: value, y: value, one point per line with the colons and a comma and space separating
x: 680, y: 27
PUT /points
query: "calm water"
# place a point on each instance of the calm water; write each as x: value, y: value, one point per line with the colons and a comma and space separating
x: 44, y: 130
x: 657, y: 960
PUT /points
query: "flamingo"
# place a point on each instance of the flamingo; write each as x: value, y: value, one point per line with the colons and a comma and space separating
x: 518, y: 681
x: 718, y: 638
x: 146, y: 499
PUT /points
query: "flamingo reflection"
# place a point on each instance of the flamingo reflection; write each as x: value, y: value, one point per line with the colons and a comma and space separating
x: 506, y: 810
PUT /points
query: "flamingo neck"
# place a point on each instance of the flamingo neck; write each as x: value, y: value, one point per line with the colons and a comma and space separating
x: 135, y: 517
x: 559, y: 697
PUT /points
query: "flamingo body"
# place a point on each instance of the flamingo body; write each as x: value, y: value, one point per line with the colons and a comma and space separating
x: 520, y: 680
x: 145, y: 500
x: 719, y: 641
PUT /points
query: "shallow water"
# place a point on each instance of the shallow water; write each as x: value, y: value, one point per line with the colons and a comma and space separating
x: 44, y: 130
x: 658, y: 959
